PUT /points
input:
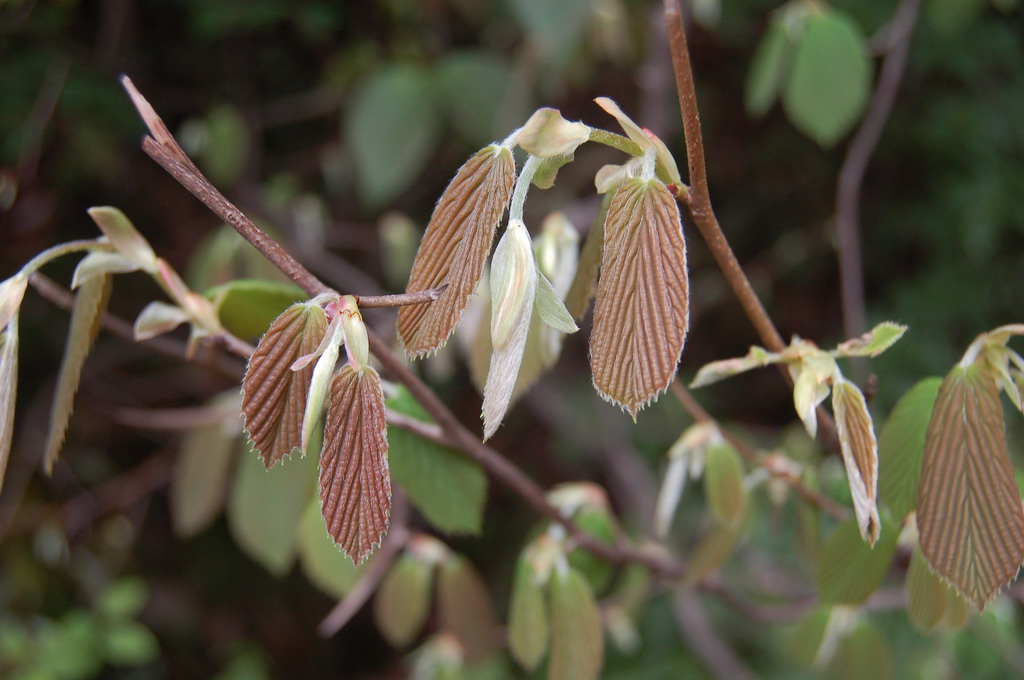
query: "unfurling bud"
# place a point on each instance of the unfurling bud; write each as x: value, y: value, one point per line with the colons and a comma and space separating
x: 546, y: 134
x: 356, y: 342
x: 513, y: 288
x: 124, y: 238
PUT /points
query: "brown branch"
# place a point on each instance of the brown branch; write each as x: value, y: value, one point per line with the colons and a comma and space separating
x: 417, y: 298
x: 698, y: 201
x: 851, y: 175
x: 770, y: 463
x: 165, y: 151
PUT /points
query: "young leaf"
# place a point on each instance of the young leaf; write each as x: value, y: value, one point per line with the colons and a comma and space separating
x: 969, y: 508
x: 640, y: 317
x: 8, y: 390
x: 723, y: 484
x: 246, y: 307
x: 930, y: 602
x: 901, y: 447
x: 158, y: 318
x: 265, y: 508
x: 645, y: 139
x: 322, y: 563
x: 273, y: 395
x: 318, y: 383
x: 455, y: 247
x: 577, y: 644
x: 860, y: 455
x: 726, y: 368
x: 12, y: 292
x: 90, y: 302
x: 402, y: 602
x: 527, y: 617
x: 830, y: 80
x: 445, y: 485
x: 466, y: 609
x: 874, y: 342
x: 551, y: 309
x: 101, y: 263
x: 200, y: 479
x: 546, y: 134
x: 123, y: 236
x: 849, y: 570
x: 768, y: 68
x: 355, y: 491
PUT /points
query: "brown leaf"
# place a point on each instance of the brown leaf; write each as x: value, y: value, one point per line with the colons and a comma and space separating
x: 455, y: 247
x: 969, y: 508
x: 860, y: 454
x: 273, y: 395
x: 355, y: 489
x: 640, y: 316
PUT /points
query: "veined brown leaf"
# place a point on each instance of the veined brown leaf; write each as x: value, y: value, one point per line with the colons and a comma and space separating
x: 466, y: 609
x: 585, y: 279
x: 355, y: 489
x: 8, y: 390
x: 273, y: 395
x: 969, y: 508
x: 577, y: 643
x: 455, y: 247
x: 860, y: 454
x: 402, y: 602
x: 90, y: 302
x: 640, y: 316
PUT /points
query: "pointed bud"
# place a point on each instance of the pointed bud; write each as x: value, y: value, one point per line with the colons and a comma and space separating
x: 356, y: 341
x: 320, y: 380
x: 860, y: 454
x: 546, y: 134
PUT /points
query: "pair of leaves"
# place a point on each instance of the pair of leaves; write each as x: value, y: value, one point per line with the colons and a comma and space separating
x: 818, y: 60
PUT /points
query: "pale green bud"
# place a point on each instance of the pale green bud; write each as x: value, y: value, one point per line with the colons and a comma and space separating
x: 12, y: 291
x: 513, y: 283
x: 546, y: 134
x: 356, y: 340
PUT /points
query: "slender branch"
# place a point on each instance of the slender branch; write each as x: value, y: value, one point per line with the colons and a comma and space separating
x: 775, y: 465
x: 851, y: 176
x: 416, y: 298
x: 698, y: 200
x: 704, y: 641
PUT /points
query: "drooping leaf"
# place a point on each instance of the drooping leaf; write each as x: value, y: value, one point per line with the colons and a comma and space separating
x: 8, y: 390
x: 723, y: 484
x: 830, y: 80
x: 391, y: 129
x: 641, y: 313
x: 90, y: 302
x: 901, y: 447
x: 466, y: 608
x: 101, y: 263
x: 158, y: 318
x: 200, y: 480
x: 860, y: 455
x: 667, y: 169
x: 726, y: 368
x: 455, y: 247
x: 402, y: 602
x: 577, y: 643
x: 527, y: 617
x: 355, y: 490
x: 547, y: 134
x: 246, y: 307
x: 849, y: 570
x: 812, y: 377
x: 551, y: 309
x: 124, y: 237
x: 273, y: 395
x: 446, y: 486
x: 930, y: 602
x: 874, y: 342
x: 969, y: 509
x: 265, y: 508
x: 322, y: 563
x: 768, y: 69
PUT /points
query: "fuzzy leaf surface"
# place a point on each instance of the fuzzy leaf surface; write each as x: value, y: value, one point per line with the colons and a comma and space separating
x: 969, y: 508
x: 273, y: 395
x: 90, y: 302
x: 355, y: 489
x: 641, y: 313
x: 860, y: 455
x: 455, y: 247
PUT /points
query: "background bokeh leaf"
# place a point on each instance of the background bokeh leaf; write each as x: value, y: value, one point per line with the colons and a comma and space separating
x: 402, y: 602
x: 849, y: 570
x: 577, y: 643
x: 901, y: 447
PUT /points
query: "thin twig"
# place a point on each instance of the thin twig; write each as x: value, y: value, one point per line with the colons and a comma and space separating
x: 698, y: 201
x: 417, y: 298
x: 772, y: 464
x: 851, y: 176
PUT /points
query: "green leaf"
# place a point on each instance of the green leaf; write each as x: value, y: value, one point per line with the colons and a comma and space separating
x: 527, y: 617
x: 726, y: 368
x: 131, y: 644
x: 713, y: 549
x: 473, y: 88
x: 466, y: 610
x: 124, y: 599
x: 8, y: 390
x: 901, y: 447
x: 265, y: 508
x: 849, y: 570
x: 555, y: 26
x: 723, y: 484
x: 550, y: 307
x: 830, y: 81
x: 200, y: 480
x: 874, y: 342
x: 863, y: 654
x: 928, y: 598
x: 446, y: 486
x: 577, y: 643
x: 598, y: 522
x: 391, y: 130
x: 402, y: 602
x: 247, y: 307
x: 324, y: 565
x: 768, y: 69
x: 969, y: 509
x: 90, y: 302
